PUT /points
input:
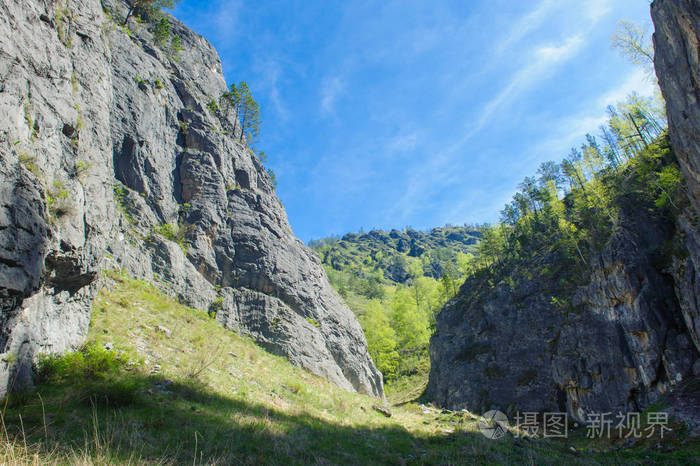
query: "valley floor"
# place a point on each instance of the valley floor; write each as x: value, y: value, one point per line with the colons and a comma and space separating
x: 196, y: 393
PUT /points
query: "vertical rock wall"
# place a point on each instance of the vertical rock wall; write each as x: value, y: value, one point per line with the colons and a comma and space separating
x: 110, y: 144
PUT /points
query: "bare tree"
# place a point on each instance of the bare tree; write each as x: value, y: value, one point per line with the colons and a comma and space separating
x: 635, y: 44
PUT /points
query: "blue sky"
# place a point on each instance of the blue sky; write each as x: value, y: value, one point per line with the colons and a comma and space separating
x: 387, y: 114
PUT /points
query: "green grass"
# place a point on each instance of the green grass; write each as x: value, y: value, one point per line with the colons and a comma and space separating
x: 174, y: 233
x: 190, y: 391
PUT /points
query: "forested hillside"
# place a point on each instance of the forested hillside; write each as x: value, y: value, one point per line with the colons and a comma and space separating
x: 396, y: 282
x: 571, y: 207
x: 592, y: 257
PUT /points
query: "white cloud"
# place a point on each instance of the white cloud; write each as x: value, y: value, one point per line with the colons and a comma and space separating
x: 331, y: 88
x: 571, y: 131
x: 597, y: 9
x: 270, y: 71
x: 225, y: 19
x: 546, y: 58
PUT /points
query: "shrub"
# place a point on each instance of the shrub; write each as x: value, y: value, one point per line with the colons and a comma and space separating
x: 57, y: 201
x: 30, y: 164
x: 175, y: 48
x: 161, y: 32
x: 120, y: 199
x: 273, y: 177
x: 313, y: 322
x: 81, y: 168
x: 174, y: 233
x: 216, y: 306
x: 96, y: 375
x: 213, y: 106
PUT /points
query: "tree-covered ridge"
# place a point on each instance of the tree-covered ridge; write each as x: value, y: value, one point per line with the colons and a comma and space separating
x: 436, y: 252
x: 396, y: 282
x: 558, y: 220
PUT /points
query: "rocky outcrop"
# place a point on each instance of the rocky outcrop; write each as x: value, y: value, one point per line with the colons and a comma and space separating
x: 495, y: 350
x: 628, y: 335
x: 677, y: 64
x: 112, y: 155
x: 616, y: 346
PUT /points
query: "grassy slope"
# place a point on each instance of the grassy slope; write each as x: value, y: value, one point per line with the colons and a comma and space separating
x: 213, y: 397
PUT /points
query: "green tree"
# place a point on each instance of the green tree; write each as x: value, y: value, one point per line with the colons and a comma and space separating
x: 426, y: 294
x: 161, y: 32
x: 412, y: 327
x: 248, y: 114
x: 549, y: 171
x: 230, y: 102
x: 273, y: 177
x: 175, y: 48
x: 150, y: 8
x: 466, y: 264
x: 381, y: 338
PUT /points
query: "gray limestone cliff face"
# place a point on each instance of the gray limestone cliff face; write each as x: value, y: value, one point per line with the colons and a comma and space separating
x: 677, y: 64
x: 621, y: 342
x: 105, y: 139
x: 628, y: 335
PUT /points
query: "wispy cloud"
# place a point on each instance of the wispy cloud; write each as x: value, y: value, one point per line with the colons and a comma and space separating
x: 271, y: 70
x: 544, y: 60
x: 460, y: 100
x: 570, y: 131
x: 331, y: 88
x: 526, y: 24
x: 401, y: 143
x: 597, y: 9
x: 225, y: 19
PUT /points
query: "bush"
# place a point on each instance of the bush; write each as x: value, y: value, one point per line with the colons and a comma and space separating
x: 175, y: 48
x: 174, y: 233
x: 213, y: 107
x: 95, y: 374
x: 216, y: 306
x: 161, y: 32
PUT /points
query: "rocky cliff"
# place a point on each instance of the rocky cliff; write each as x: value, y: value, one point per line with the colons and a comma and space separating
x: 112, y: 156
x: 677, y: 64
x: 614, y: 344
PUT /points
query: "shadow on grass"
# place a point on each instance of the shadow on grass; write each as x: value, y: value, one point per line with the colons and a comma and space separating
x: 181, y: 422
